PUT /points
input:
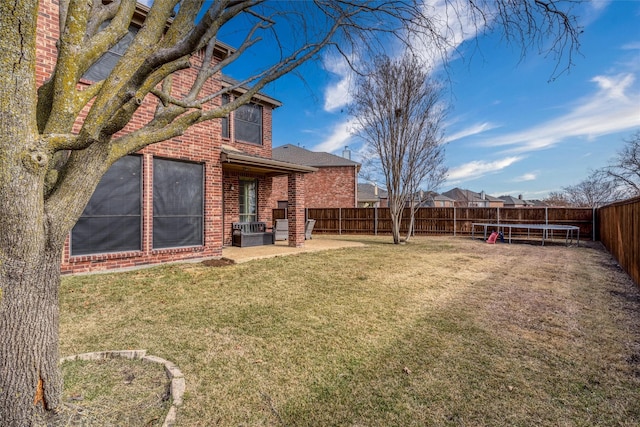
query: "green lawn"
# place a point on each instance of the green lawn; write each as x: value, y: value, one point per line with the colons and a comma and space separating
x: 440, y: 331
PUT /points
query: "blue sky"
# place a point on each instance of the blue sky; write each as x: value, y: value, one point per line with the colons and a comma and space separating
x: 510, y: 130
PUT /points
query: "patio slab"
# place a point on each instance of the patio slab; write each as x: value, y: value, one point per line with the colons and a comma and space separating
x: 282, y: 248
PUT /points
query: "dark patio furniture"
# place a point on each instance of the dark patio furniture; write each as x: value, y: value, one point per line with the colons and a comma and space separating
x: 251, y: 234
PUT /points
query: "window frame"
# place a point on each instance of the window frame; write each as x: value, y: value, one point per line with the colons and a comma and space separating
x: 240, y: 123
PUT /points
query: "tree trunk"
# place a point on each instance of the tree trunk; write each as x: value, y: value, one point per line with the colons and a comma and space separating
x: 395, y: 224
x: 30, y: 380
x: 411, y: 225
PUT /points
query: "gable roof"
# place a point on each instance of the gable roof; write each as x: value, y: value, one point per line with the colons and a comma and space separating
x: 439, y: 197
x: 294, y: 154
x: 515, y: 201
x: 367, y: 192
x: 459, y: 194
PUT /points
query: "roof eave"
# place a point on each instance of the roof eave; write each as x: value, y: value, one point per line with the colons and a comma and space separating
x: 247, y: 160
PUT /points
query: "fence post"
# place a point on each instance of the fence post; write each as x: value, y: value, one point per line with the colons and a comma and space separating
x: 546, y: 215
x: 375, y: 221
x: 593, y: 225
x: 339, y: 221
x: 498, y: 208
x: 454, y: 221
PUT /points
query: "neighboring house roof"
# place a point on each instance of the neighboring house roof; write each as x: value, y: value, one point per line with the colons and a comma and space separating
x: 294, y: 154
x: 367, y: 193
x: 441, y: 198
x: 519, y: 202
x: 461, y: 195
x: 514, y: 201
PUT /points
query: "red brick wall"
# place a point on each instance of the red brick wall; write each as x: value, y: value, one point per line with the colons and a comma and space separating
x: 329, y: 187
x: 200, y: 144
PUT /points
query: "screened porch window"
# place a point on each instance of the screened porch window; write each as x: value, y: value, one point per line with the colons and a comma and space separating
x: 111, y: 221
x: 178, y: 204
x: 248, y: 198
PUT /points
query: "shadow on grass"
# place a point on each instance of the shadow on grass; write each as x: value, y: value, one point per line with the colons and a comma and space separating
x: 446, y: 370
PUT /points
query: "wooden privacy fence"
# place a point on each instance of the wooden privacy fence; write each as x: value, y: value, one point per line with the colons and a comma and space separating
x: 618, y: 227
x: 444, y: 221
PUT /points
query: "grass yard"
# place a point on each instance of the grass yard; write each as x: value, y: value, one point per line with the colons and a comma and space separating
x: 440, y: 331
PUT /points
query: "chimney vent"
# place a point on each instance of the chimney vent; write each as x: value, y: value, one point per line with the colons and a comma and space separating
x: 346, y: 153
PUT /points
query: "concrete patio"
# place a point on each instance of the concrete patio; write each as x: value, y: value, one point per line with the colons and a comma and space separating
x: 282, y: 248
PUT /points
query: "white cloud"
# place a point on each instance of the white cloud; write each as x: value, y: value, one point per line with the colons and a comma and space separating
x: 526, y: 177
x: 339, y: 137
x: 614, y: 107
x: 632, y: 46
x: 471, y: 130
x: 337, y: 94
x: 452, y: 22
x: 478, y: 168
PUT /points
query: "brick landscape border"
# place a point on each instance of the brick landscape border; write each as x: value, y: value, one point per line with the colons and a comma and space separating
x: 178, y: 384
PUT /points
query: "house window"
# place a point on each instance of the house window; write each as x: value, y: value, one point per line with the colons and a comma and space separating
x: 102, y: 67
x: 178, y: 204
x: 248, y: 198
x: 225, y: 120
x: 111, y: 221
x: 248, y: 124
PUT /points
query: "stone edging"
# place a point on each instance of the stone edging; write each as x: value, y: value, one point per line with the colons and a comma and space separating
x: 178, y: 384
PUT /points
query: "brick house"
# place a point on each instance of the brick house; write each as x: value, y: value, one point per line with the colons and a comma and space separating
x: 468, y: 198
x: 435, y: 200
x: 176, y: 200
x: 333, y: 185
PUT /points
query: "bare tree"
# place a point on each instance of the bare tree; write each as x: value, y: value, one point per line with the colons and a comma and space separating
x: 58, y: 138
x: 624, y: 170
x: 557, y: 198
x: 398, y: 114
x: 596, y: 190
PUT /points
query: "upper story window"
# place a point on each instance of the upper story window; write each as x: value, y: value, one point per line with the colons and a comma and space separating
x: 247, y: 124
x: 101, y: 69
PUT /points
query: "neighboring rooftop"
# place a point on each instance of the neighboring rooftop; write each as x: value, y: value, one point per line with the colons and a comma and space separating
x: 301, y: 156
x: 460, y: 194
x: 371, y: 192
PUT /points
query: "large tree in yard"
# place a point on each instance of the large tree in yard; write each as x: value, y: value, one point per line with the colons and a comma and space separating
x: 398, y: 114
x: 58, y: 137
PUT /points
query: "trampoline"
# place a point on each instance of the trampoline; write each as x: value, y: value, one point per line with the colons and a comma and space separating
x: 568, y: 229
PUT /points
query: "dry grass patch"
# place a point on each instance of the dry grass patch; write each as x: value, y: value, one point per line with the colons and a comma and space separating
x: 440, y: 331
x: 113, y: 392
